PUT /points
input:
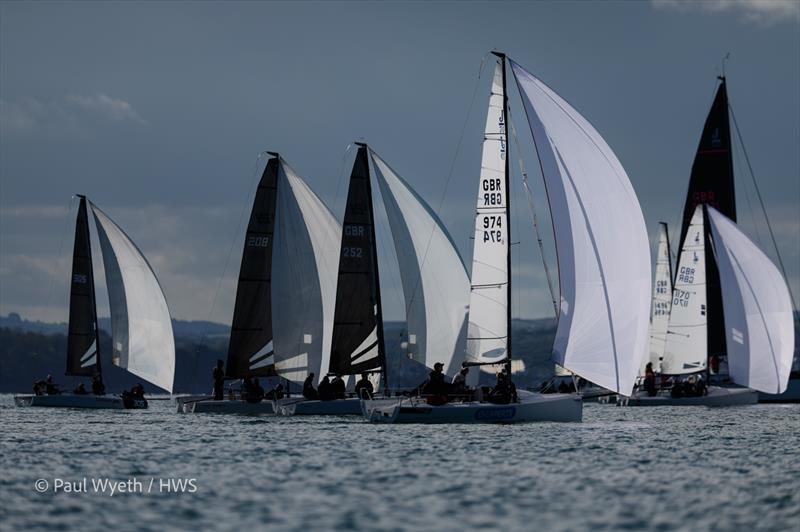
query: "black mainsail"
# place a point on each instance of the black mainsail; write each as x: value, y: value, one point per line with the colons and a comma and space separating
x: 83, y: 353
x: 358, y: 344
x: 711, y: 183
x: 250, y: 351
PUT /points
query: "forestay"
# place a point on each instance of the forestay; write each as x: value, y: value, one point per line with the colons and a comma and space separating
x: 487, y: 333
x: 141, y: 329
x: 434, y: 279
x: 759, y: 322
x: 662, y: 300
x: 601, y: 242
x: 686, y: 347
x: 304, y: 262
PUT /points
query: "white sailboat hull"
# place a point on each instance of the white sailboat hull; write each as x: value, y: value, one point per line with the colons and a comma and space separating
x: 226, y: 406
x: 337, y: 407
x: 717, y: 396
x: 109, y: 402
x: 532, y: 407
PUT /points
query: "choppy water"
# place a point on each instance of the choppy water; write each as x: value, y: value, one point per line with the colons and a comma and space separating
x: 689, y: 468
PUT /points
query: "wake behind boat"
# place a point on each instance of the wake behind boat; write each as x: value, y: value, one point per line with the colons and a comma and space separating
x: 141, y: 328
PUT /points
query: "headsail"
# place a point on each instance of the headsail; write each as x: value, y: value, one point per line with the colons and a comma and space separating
x: 685, y: 350
x: 250, y: 351
x: 662, y: 299
x: 601, y: 242
x: 83, y: 340
x: 305, y: 256
x: 487, y: 334
x: 759, y: 321
x: 357, y: 343
x: 141, y: 329
x: 434, y: 279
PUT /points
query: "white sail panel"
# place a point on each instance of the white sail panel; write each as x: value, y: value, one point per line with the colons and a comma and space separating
x: 601, y: 242
x: 304, y: 263
x: 686, y: 345
x: 435, y: 283
x: 487, y: 332
x: 759, y: 322
x: 662, y: 301
x: 141, y: 328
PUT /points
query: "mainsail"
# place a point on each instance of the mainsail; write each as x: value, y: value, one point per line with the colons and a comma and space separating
x: 711, y: 183
x: 305, y: 256
x: 141, y: 329
x: 601, y: 243
x: 357, y: 343
x: 250, y: 351
x: 434, y: 279
x: 685, y: 349
x: 662, y: 299
x: 82, y: 342
x: 759, y: 322
x: 488, y: 331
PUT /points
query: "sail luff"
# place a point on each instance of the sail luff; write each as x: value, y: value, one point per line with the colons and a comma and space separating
x: 83, y: 339
x: 662, y: 299
x: 250, y: 348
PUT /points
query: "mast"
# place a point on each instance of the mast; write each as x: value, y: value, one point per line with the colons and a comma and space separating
x: 502, y: 58
x: 83, y: 345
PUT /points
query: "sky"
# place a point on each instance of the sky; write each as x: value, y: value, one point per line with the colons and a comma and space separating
x: 158, y: 111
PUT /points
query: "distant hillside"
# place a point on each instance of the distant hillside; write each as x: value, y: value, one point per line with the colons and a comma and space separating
x: 31, y: 350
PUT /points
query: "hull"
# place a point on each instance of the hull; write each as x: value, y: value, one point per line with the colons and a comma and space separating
x: 109, y: 402
x: 337, y: 407
x: 791, y: 395
x: 180, y: 401
x: 532, y: 407
x: 717, y: 396
x: 227, y: 406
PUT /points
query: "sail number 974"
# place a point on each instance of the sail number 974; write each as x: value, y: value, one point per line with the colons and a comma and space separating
x: 492, y: 228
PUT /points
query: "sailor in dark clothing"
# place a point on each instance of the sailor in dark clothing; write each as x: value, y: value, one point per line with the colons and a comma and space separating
x: 436, y: 388
x: 39, y: 387
x: 649, y: 380
x: 309, y: 392
x: 255, y: 393
x: 80, y: 390
x: 364, y: 388
x: 324, y: 389
x: 218, y: 375
x: 459, y: 384
x: 338, y: 387
x: 504, y: 391
x: 51, y: 387
x: 98, y: 388
x: 563, y: 387
x: 274, y: 394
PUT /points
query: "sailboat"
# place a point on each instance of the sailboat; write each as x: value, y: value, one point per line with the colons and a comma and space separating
x: 704, y: 332
x: 661, y: 306
x: 433, y: 277
x: 602, y: 322
x: 283, y: 314
x: 141, y: 329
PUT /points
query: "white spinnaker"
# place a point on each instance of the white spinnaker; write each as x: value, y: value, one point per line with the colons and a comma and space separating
x: 686, y: 346
x: 305, y: 259
x: 601, y: 242
x: 435, y: 282
x: 487, y: 333
x: 141, y: 328
x: 662, y: 301
x: 759, y: 322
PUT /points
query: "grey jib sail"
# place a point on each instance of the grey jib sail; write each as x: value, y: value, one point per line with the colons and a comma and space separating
x: 712, y: 183
x: 250, y: 351
x: 82, y: 345
x: 357, y: 325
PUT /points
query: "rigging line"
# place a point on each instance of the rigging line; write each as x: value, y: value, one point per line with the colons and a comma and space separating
x: 737, y: 158
x: 238, y: 230
x: 59, y: 257
x: 341, y: 175
x: 446, y: 184
x: 529, y: 194
x: 763, y: 208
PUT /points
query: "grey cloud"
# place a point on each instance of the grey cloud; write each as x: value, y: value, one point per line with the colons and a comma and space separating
x: 760, y: 12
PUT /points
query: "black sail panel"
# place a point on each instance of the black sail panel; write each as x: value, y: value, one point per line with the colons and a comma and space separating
x: 711, y: 183
x: 250, y: 351
x: 83, y: 355
x: 357, y: 343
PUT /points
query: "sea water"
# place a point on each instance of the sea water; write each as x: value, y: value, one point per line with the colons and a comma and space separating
x: 665, y: 468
